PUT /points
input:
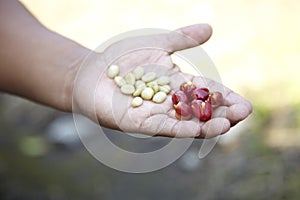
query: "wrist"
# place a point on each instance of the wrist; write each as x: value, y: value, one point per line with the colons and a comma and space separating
x: 60, y: 65
x: 72, y: 70
x: 85, y: 81
x: 69, y: 82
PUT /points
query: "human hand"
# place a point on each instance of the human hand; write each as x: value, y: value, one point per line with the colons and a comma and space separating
x: 98, y: 97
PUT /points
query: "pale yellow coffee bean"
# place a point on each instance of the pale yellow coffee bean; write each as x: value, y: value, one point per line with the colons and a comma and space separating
x: 137, y: 101
x: 138, y: 72
x: 120, y: 81
x: 147, y: 93
x: 113, y: 71
x: 153, y: 85
x: 130, y: 79
x: 159, y: 97
x: 148, y: 77
x: 139, y: 90
x: 163, y: 80
x: 150, y: 84
x: 127, y: 89
x: 165, y: 88
x: 138, y: 83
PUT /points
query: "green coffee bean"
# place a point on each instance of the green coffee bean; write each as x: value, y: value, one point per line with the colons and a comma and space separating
x: 137, y: 101
x: 138, y: 83
x: 130, y: 79
x: 139, y: 90
x: 165, y: 88
x: 163, y: 80
x: 127, y: 89
x: 148, y: 77
x: 147, y: 93
x: 138, y: 72
x: 113, y: 71
x: 159, y: 97
x: 120, y: 81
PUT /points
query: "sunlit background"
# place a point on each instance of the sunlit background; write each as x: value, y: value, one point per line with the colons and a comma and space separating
x: 255, y: 47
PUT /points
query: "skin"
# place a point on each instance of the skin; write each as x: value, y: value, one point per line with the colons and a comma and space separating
x: 50, y: 69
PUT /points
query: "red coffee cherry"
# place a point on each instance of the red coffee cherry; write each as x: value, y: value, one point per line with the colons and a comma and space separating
x: 190, y: 100
x: 202, y: 110
x: 188, y: 89
x: 179, y: 96
x: 216, y: 99
x: 183, y: 111
x: 201, y: 94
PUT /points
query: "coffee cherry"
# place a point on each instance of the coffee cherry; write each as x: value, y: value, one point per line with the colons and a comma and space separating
x: 183, y: 111
x: 188, y: 89
x: 202, y: 110
x: 190, y: 100
x: 196, y: 107
x: 201, y: 94
x: 180, y: 117
x: 179, y: 96
x: 216, y: 99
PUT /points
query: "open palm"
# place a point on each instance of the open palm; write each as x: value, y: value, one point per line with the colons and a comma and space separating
x: 113, y: 109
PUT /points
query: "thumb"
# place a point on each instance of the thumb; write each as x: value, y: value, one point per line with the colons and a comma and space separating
x: 187, y: 37
x: 183, y: 38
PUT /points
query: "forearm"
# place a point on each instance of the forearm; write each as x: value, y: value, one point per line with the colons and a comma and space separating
x: 36, y: 63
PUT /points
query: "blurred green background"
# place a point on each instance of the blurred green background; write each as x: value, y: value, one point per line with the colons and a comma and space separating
x: 255, y: 47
